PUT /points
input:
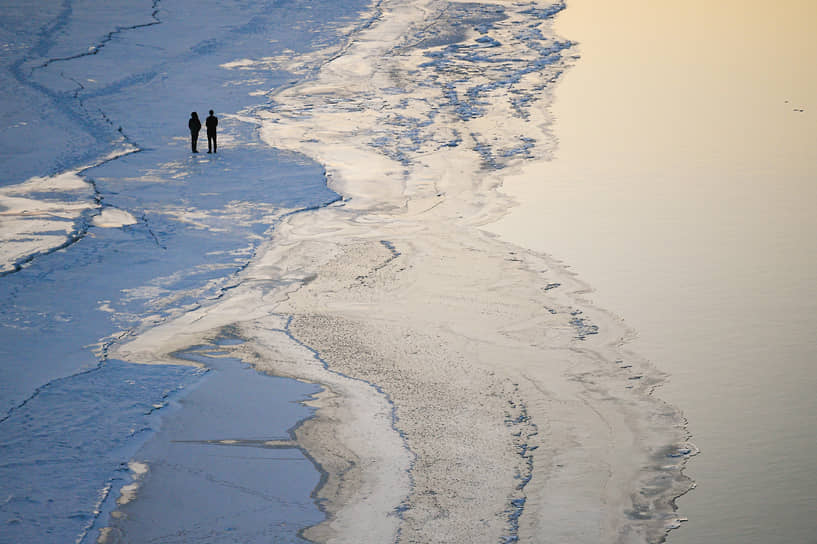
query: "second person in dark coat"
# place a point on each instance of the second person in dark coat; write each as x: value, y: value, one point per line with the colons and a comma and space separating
x: 195, y: 126
x: 212, y: 123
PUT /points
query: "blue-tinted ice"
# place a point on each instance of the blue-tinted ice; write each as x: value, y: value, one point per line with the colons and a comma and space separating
x: 81, y: 80
x: 223, y: 466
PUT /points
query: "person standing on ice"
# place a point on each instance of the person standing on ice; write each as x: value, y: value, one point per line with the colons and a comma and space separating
x: 195, y: 126
x: 212, y: 123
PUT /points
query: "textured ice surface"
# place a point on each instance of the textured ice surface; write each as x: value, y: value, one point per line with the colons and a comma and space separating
x: 107, y: 242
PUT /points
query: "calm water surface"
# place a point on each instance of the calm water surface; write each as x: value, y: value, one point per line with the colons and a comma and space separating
x: 684, y: 191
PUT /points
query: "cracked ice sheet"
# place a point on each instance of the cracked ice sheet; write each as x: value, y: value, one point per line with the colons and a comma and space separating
x: 34, y: 211
x: 34, y: 219
x: 63, y: 310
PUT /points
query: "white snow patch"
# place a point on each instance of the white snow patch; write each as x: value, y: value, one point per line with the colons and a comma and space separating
x: 138, y: 469
x: 128, y: 492
x: 114, y: 218
x: 66, y: 181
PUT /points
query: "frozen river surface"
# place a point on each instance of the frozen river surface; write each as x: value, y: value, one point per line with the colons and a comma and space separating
x: 109, y: 225
x: 451, y: 386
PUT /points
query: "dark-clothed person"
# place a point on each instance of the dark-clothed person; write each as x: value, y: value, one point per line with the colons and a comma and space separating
x: 195, y: 126
x: 212, y: 123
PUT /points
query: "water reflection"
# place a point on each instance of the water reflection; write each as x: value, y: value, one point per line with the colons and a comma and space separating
x: 684, y: 190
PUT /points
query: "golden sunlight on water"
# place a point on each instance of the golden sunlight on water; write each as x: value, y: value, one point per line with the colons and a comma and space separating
x: 684, y: 190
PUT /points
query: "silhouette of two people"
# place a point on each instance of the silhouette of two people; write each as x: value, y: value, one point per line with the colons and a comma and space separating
x: 195, y: 126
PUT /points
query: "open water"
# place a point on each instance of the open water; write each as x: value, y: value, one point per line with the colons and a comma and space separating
x: 683, y: 191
